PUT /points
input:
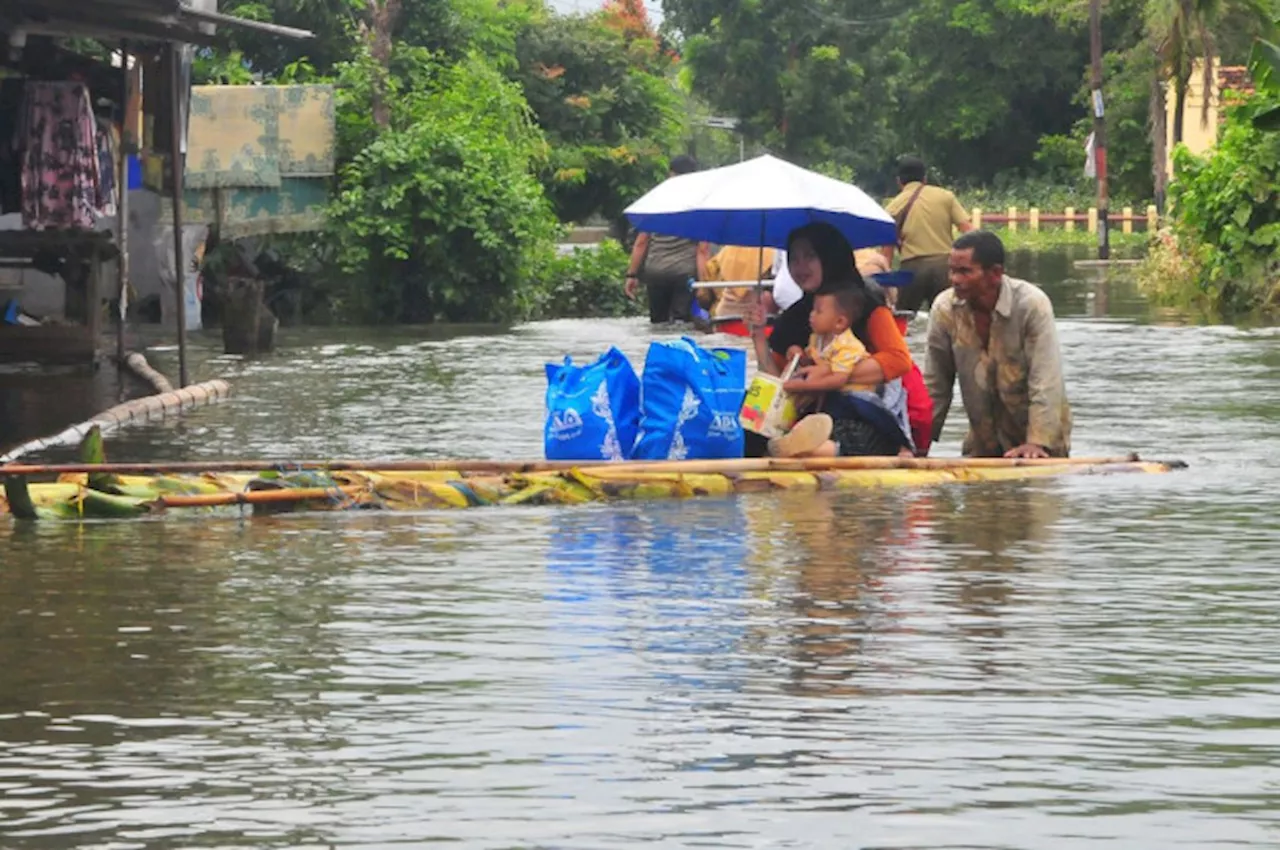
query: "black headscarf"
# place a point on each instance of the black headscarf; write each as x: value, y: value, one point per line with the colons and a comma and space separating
x: 838, y: 269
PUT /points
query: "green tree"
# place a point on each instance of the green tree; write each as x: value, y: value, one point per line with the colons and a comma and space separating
x: 600, y: 89
x: 971, y: 86
x: 995, y: 77
x: 1181, y: 33
x: 438, y: 216
x: 1264, y: 67
x: 800, y: 76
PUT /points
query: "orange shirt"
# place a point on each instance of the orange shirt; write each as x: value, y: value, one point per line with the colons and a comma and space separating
x: 886, y: 344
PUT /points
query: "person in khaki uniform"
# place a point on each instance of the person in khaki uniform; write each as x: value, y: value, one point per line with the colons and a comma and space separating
x: 925, y: 216
x: 996, y: 334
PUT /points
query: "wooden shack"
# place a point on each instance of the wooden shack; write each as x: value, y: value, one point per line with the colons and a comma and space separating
x: 114, y: 76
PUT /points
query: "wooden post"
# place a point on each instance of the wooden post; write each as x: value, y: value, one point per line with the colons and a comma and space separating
x: 1093, y: 219
x: 122, y: 205
x: 176, y: 166
x: 976, y: 215
x: 1013, y: 219
x: 93, y: 297
x: 1126, y: 224
x: 1070, y: 224
x: 1035, y: 219
x: 1153, y: 218
x: 1099, y: 127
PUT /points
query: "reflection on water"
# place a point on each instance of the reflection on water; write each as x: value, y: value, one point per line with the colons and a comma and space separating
x: 1053, y: 663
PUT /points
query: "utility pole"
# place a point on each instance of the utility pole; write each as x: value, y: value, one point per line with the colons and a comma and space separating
x: 1099, y: 127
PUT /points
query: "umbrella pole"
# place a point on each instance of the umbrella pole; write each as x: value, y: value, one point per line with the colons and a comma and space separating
x: 762, y: 348
x: 760, y: 262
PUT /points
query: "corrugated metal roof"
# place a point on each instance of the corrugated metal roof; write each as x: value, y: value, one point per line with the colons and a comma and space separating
x: 147, y: 20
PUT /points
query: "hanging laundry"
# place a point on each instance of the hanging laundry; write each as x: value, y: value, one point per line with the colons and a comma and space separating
x: 60, y: 165
x: 107, y: 147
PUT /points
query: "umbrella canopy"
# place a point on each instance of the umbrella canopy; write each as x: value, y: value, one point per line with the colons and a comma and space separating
x: 893, y: 279
x: 759, y: 202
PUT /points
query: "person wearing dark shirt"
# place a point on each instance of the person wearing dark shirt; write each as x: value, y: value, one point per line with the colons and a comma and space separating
x: 664, y: 265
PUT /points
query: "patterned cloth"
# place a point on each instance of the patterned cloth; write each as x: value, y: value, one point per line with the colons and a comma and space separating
x: 840, y: 353
x: 233, y: 137
x: 1012, y: 388
x: 60, y: 164
x: 296, y: 206
x: 253, y: 136
x: 107, y: 147
x: 855, y: 437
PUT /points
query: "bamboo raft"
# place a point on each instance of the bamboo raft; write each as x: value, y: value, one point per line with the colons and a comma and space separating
x: 95, y: 489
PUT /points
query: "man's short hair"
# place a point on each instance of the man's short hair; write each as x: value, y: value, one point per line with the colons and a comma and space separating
x: 988, y: 250
x: 683, y: 164
x: 911, y: 169
x: 851, y: 299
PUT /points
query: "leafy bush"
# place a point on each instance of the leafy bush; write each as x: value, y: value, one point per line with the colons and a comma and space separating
x: 585, y: 283
x: 1170, y: 276
x: 1227, y: 209
x: 1045, y: 193
x: 438, y: 216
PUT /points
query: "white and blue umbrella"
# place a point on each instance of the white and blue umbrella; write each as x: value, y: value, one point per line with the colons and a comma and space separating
x: 759, y: 202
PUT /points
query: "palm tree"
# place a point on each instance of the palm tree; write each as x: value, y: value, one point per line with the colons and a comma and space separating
x: 1181, y: 32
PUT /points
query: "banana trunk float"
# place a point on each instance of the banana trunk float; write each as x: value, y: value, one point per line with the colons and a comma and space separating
x: 99, y: 491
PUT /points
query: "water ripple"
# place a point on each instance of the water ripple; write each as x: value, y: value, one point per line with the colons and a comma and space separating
x: 1072, y: 662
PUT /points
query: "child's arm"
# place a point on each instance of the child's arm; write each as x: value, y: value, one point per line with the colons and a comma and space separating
x: 817, y: 379
x: 798, y: 351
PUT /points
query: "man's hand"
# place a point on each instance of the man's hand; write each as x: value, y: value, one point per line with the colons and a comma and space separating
x: 1028, y: 450
x: 631, y: 286
x: 795, y: 351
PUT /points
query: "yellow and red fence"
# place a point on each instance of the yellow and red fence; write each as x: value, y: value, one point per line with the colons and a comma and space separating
x: 1014, y: 218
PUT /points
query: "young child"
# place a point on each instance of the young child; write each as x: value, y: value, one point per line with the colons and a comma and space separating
x: 827, y: 365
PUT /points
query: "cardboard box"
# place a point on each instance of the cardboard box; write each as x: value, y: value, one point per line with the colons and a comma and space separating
x: 767, y: 409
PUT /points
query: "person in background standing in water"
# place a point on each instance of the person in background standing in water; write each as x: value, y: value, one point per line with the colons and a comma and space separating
x: 925, y: 216
x: 664, y: 265
x: 996, y: 334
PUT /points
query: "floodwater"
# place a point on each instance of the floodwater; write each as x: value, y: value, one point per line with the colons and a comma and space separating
x: 1082, y: 662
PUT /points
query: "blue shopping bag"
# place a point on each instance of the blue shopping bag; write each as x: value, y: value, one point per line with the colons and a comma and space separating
x: 593, y: 411
x: 689, y: 402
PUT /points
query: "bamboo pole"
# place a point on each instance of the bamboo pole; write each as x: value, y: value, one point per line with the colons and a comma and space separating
x: 122, y: 205
x: 176, y: 165
x: 257, y: 497
x: 1099, y: 128
x: 729, y: 466
x: 138, y: 410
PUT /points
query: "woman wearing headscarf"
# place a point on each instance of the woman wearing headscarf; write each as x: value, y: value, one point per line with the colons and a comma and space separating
x: 819, y: 256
